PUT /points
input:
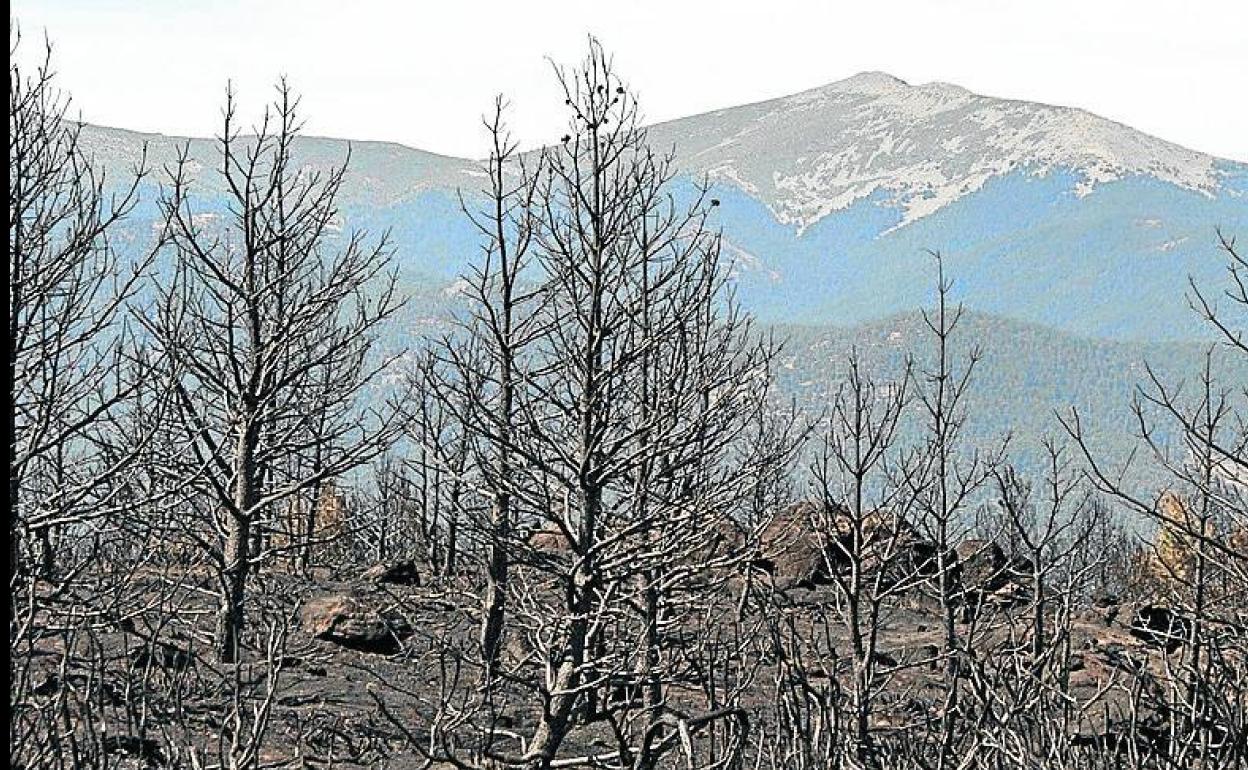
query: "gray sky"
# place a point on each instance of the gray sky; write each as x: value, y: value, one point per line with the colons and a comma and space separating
x: 421, y: 73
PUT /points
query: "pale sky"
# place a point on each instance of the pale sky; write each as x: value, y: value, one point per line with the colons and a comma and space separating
x: 422, y: 73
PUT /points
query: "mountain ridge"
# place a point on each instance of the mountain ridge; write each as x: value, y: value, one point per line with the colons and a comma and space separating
x: 829, y: 196
x: 855, y: 117
x: 843, y: 141
x: 863, y: 76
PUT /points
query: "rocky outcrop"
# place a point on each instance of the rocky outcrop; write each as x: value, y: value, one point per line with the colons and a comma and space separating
x: 980, y: 565
x: 356, y: 621
x: 792, y: 550
x: 547, y: 549
x: 889, y: 545
x: 549, y: 541
x: 810, y: 543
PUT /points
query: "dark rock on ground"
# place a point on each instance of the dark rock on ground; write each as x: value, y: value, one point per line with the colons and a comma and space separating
x: 162, y: 655
x: 357, y: 622
x: 403, y: 573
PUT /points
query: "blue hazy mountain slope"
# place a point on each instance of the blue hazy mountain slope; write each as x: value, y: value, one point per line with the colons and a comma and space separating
x: 830, y: 198
x: 1112, y: 263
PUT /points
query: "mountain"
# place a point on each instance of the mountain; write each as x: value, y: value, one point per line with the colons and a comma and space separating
x: 831, y: 198
x: 1069, y: 237
x: 819, y: 152
x: 1046, y: 215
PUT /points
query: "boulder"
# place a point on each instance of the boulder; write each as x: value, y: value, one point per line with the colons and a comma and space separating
x: 1116, y: 728
x: 1105, y: 610
x: 719, y: 539
x: 1103, y: 600
x: 809, y: 543
x: 891, y: 547
x: 356, y: 622
x: 1020, y: 569
x: 792, y: 550
x: 146, y: 750
x: 162, y: 655
x: 915, y: 558
x: 403, y: 573
x: 981, y: 566
x: 549, y: 541
x: 548, y: 549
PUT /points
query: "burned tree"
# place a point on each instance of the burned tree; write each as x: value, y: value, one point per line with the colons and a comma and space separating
x: 443, y: 480
x: 649, y: 378
x: 266, y: 324
x: 68, y: 287
x: 478, y: 370
x: 945, y: 489
x: 620, y: 409
x: 861, y: 475
x: 1194, y: 434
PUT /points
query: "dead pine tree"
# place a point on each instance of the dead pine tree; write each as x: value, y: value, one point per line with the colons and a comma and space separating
x: 1048, y: 529
x: 945, y: 489
x: 860, y: 474
x: 632, y: 428
x: 648, y: 376
x: 474, y: 373
x: 68, y: 371
x: 444, y: 483
x: 266, y: 324
x: 1046, y: 525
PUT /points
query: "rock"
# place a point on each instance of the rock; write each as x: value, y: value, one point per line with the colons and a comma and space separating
x: 791, y: 549
x: 403, y: 573
x: 549, y: 541
x: 890, y: 547
x: 1160, y: 626
x: 884, y: 659
x: 1123, y: 733
x: 810, y: 542
x: 981, y: 566
x: 879, y: 659
x: 1108, y: 614
x: 1011, y: 593
x: 51, y: 683
x: 102, y: 690
x: 355, y: 622
x: 1020, y: 568
x: 548, y: 549
x: 717, y: 540
x: 1105, y: 600
x: 914, y: 559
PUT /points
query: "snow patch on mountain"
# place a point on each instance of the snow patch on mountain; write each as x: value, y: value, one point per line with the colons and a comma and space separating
x: 820, y: 151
